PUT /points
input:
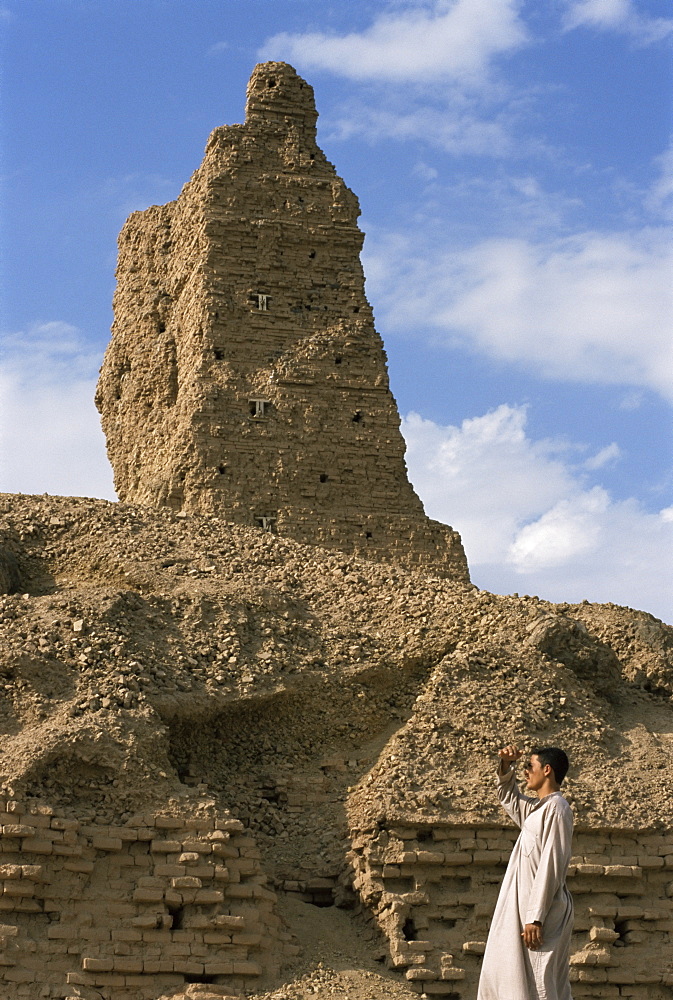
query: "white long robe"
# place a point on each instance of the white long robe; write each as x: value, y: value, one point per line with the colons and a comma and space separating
x: 533, y: 889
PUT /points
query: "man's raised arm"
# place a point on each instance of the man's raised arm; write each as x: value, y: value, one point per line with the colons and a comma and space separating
x: 516, y: 805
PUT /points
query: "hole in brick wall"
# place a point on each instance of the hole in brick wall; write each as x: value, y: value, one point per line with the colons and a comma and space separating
x: 368, y: 534
x: 181, y: 765
x: 312, y: 156
x: 356, y: 309
x: 444, y: 923
x: 321, y: 897
x: 409, y: 932
x: 162, y: 327
x: 338, y: 360
x: 620, y: 927
x: 312, y: 254
x: 323, y: 477
x: 178, y: 914
x: 217, y: 315
x: 357, y: 417
x: 221, y: 469
x: 219, y: 355
x: 424, y: 835
x: 400, y: 885
x: 199, y: 978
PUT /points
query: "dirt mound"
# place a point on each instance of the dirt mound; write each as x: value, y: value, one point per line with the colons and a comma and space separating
x: 131, y: 625
x: 151, y: 660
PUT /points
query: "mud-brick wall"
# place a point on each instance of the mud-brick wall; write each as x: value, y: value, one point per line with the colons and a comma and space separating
x: 432, y: 891
x: 245, y: 378
x: 132, y: 910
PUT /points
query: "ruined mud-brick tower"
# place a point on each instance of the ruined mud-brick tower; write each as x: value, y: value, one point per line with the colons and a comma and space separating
x: 244, y: 377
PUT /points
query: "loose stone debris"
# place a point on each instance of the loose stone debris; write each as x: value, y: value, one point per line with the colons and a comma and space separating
x: 197, y: 749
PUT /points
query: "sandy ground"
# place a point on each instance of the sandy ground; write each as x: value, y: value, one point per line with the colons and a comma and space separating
x: 339, y: 958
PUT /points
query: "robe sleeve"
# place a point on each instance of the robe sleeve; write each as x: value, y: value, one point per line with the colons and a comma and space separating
x: 516, y: 805
x: 554, y: 859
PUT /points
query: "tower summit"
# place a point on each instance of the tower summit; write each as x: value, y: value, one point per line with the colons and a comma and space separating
x: 245, y: 378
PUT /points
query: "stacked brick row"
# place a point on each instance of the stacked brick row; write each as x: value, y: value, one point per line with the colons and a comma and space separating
x: 432, y: 891
x: 132, y: 910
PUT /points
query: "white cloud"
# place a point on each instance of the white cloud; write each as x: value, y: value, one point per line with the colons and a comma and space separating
x: 452, y: 128
x: 425, y: 172
x: 590, y: 546
x: 659, y: 199
x: 617, y: 15
x: 602, y: 13
x: 50, y: 436
x: 594, y: 308
x: 531, y: 520
x: 218, y: 47
x: 485, y: 477
x: 449, y: 39
x: 611, y: 453
x: 632, y: 401
x: 436, y: 63
x: 570, y: 529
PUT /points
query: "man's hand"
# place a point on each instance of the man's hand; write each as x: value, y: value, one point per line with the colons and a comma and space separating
x: 508, y: 755
x: 532, y: 936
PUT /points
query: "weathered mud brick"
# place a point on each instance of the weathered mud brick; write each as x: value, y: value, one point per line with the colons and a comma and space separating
x: 453, y: 910
x: 168, y: 822
x: 258, y: 337
x: 166, y: 846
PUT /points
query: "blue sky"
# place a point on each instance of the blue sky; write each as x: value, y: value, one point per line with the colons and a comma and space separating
x: 514, y: 166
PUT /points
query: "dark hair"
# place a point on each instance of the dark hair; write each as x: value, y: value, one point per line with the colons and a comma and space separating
x: 556, y: 758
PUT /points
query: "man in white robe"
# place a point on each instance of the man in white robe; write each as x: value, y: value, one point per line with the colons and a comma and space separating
x: 528, y: 948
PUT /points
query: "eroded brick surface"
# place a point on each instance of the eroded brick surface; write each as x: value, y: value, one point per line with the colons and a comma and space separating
x: 432, y: 890
x: 245, y: 377
x: 121, y: 911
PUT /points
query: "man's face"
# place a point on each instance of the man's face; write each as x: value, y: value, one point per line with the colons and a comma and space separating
x: 535, y: 773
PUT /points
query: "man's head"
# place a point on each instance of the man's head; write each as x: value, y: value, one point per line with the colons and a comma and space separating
x: 546, y: 764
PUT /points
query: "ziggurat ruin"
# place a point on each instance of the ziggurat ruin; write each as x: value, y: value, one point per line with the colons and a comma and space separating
x: 245, y: 377
x: 249, y: 713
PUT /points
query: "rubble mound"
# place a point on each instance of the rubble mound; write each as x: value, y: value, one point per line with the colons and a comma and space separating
x: 156, y: 661
x: 138, y: 638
